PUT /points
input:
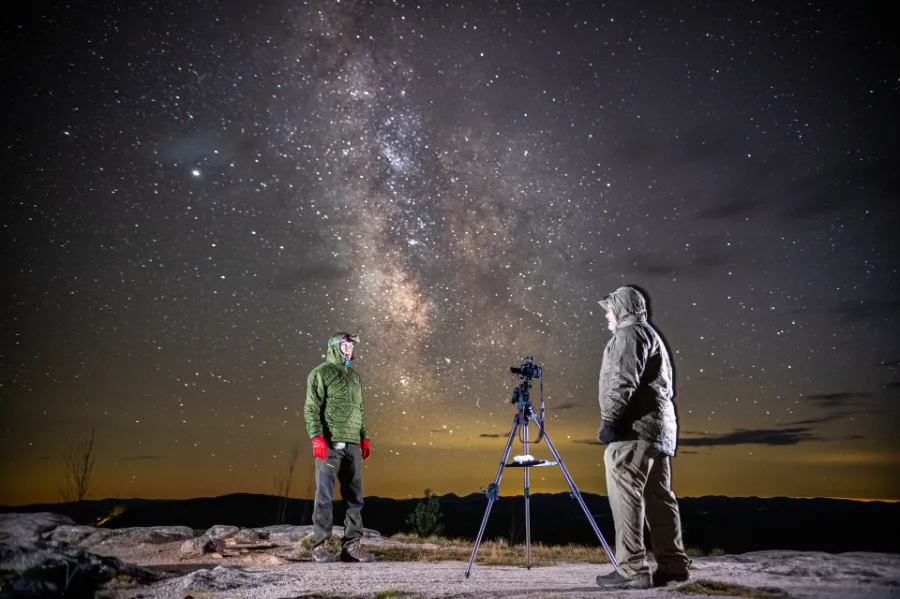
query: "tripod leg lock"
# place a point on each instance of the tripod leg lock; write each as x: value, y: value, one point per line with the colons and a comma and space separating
x: 492, y: 492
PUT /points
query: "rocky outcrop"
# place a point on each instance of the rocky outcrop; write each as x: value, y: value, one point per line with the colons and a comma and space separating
x: 37, y: 559
x: 43, y: 555
x: 28, y: 528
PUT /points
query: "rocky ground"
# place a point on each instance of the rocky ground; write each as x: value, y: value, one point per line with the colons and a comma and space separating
x: 44, y: 554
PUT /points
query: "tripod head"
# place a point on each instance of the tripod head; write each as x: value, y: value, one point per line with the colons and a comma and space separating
x: 527, y: 370
x: 521, y: 394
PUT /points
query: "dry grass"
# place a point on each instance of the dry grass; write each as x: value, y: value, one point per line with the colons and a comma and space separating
x: 394, y: 593
x: 489, y: 552
x: 434, y: 540
x: 725, y: 589
x: 418, y: 549
x: 436, y: 549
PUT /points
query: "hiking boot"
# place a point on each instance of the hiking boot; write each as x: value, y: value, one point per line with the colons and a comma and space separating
x: 320, y: 554
x: 355, y: 553
x: 614, y: 580
x: 661, y: 579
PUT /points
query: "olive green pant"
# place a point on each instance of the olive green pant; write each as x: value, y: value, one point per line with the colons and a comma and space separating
x: 639, y: 485
x: 345, y: 467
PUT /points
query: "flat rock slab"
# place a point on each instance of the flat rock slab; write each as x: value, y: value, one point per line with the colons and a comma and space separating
x: 797, y: 574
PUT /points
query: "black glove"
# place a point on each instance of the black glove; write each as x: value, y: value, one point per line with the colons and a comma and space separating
x: 608, y: 433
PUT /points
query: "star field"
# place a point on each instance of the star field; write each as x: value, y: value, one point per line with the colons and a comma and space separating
x: 199, y: 194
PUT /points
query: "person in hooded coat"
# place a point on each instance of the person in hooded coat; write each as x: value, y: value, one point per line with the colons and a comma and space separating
x: 640, y: 430
x: 336, y: 424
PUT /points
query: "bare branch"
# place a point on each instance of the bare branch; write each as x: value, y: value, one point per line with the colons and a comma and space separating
x: 79, y: 470
x: 283, y: 480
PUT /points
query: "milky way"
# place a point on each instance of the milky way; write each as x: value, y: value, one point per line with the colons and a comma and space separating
x: 201, y: 194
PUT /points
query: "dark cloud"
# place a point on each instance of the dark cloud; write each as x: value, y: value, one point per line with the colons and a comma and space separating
x: 646, y: 265
x: 854, y: 311
x: 730, y: 210
x: 833, y: 417
x: 566, y: 406
x: 841, y: 399
x: 837, y: 188
x: 708, y: 143
x: 788, y: 436
x: 705, y: 262
x: 492, y: 435
x: 587, y: 442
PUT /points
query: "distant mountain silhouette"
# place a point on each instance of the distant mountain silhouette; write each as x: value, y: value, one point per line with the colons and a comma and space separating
x: 734, y: 524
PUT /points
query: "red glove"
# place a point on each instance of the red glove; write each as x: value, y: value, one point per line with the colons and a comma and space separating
x: 366, y: 449
x: 320, y: 447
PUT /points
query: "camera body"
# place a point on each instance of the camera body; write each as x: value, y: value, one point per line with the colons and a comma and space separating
x: 527, y: 370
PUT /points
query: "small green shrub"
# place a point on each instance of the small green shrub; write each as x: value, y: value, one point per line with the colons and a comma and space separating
x: 426, y: 519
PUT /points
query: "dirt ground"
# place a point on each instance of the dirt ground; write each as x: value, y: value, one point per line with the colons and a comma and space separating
x: 774, y: 574
x: 40, y: 550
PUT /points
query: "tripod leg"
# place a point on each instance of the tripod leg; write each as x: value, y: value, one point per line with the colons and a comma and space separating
x: 527, y: 499
x: 493, y: 493
x: 576, y: 493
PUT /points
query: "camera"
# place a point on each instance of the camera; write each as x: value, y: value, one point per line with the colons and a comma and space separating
x: 527, y: 370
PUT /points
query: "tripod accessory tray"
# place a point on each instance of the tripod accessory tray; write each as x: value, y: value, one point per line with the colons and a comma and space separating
x: 530, y: 464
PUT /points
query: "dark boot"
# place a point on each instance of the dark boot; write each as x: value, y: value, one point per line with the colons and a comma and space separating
x: 355, y: 553
x: 320, y: 554
x: 614, y: 580
x: 661, y: 579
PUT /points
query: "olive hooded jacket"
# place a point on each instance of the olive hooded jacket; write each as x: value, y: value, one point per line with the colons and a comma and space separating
x: 636, y: 376
x: 334, y: 405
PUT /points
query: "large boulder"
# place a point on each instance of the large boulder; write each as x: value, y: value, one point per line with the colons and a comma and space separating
x: 150, y: 535
x: 30, y: 527
x: 71, y: 534
x: 220, y: 531
x: 201, y: 545
x: 71, y: 573
x: 36, y: 561
x: 284, y: 534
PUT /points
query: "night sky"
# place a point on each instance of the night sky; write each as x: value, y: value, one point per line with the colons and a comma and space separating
x: 197, y: 194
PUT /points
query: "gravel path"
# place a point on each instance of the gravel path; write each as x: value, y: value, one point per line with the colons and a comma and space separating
x: 264, y: 564
x: 799, y: 575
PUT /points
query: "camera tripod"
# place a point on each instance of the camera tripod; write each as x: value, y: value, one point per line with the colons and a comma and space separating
x: 522, y: 418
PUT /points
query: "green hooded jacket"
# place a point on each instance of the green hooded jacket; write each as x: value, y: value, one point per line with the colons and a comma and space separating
x: 334, y: 405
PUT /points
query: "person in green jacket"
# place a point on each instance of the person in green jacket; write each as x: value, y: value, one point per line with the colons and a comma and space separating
x: 336, y: 423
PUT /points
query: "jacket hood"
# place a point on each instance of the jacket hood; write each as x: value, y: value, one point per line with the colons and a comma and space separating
x: 334, y: 348
x: 625, y: 302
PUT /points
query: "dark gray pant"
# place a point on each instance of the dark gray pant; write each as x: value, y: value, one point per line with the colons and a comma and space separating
x: 345, y: 466
x: 639, y: 484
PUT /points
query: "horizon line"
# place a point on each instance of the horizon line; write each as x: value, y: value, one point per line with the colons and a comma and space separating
x: 407, y: 498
